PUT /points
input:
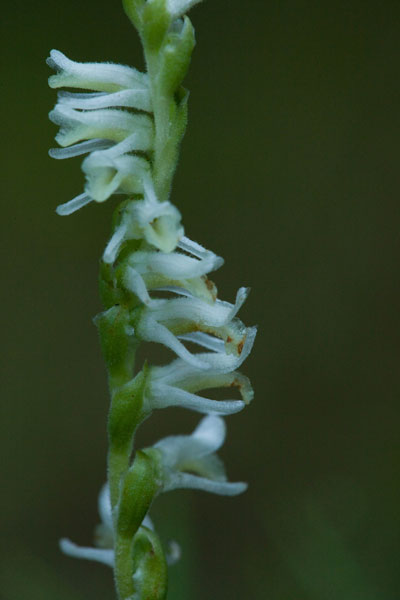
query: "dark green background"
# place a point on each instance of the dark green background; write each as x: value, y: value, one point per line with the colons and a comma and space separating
x: 290, y: 170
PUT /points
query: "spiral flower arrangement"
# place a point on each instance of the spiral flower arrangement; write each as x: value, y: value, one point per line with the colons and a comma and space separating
x: 154, y: 287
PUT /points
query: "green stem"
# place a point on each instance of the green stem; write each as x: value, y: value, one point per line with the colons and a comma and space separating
x: 132, y: 488
x: 123, y: 568
x: 164, y: 160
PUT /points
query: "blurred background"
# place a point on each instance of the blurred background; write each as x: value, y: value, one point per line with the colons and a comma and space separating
x: 290, y: 171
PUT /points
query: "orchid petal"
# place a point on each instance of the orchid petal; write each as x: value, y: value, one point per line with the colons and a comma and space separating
x: 193, y: 482
x: 80, y: 148
x: 101, y: 555
x: 152, y: 331
x: 73, y: 205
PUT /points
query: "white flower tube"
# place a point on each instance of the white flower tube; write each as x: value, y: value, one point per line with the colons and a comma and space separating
x: 197, y: 453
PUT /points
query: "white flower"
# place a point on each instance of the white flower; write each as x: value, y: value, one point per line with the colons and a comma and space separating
x: 104, y: 552
x: 164, y: 321
x: 173, y: 272
x: 159, y: 223
x: 190, y: 461
x: 177, y: 384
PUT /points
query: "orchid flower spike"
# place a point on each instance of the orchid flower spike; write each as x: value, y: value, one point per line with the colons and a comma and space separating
x: 155, y: 287
x: 190, y: 461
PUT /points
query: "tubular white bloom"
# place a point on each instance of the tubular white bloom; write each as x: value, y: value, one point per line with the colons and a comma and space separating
x: 176, y: 384
x: 165, y: 321
x: 197, y: 453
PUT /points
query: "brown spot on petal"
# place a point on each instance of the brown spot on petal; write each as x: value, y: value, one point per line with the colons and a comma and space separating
x: 236, y: 383
x: 209, y: 283
x: 211, y: 287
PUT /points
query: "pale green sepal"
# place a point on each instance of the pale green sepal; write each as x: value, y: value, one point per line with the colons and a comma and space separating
x: 117, y: 343
x: 180, y: 121
x: 110, y: 294
x: 142, y: 482
x: 126, y: 412
x: 176, y: 54
x: 150, y: 575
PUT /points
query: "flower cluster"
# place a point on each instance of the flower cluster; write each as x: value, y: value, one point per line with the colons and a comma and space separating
x: 96, y: 124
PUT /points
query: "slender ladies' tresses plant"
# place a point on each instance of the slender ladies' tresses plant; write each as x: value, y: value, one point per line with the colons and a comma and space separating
x: 130, y: 125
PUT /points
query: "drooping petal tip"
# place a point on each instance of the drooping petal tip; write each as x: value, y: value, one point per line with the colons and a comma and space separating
x: 104, y: 556
x: 73, y: 205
